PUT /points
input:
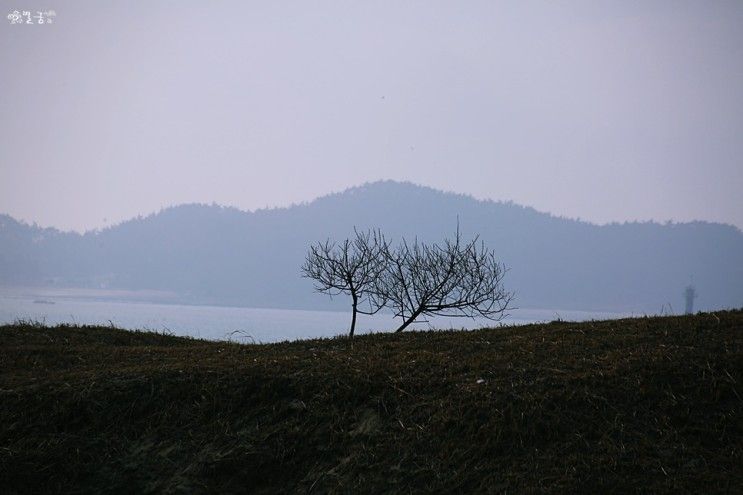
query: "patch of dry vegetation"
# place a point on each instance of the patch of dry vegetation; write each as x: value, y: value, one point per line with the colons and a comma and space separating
x: 650, y: 404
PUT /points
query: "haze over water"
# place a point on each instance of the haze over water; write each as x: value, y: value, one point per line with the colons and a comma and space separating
x: 601, y: 111
x: 242, y: 324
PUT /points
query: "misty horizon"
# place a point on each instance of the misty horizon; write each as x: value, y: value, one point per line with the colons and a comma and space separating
x: 556, y: 215
x: 599, y: 111
x: 225, y: 256
x: 541, y: 122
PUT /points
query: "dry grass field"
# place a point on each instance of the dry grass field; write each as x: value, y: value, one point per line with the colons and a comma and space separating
x: 624, y: 406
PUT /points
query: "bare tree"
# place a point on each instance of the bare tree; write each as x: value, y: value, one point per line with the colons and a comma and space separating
x: 351, y: 267
x: 455, y: 279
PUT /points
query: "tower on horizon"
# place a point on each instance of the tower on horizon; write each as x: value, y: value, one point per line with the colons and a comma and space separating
x: 690, y: 293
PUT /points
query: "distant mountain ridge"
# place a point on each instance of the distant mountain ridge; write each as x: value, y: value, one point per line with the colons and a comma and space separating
x: 221, y: 255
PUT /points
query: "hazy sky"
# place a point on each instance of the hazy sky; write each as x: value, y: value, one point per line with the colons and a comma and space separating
x: 601, y: 110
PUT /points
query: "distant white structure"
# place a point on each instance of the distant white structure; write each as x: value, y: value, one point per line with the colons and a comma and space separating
x: 690, y: 293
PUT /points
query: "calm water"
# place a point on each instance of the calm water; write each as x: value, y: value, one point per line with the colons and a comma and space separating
x: 243, y: 324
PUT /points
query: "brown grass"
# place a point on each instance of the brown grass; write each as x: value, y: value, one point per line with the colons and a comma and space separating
x: 635, y: 405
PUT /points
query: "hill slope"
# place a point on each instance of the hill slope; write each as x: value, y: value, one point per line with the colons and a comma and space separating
x: 600, y: 407
x: 215, y: 255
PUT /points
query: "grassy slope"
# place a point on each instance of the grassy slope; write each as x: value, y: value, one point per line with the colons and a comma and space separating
x: 651, y: 404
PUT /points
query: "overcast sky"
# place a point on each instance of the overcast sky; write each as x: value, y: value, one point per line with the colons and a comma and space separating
x: 607, y: 111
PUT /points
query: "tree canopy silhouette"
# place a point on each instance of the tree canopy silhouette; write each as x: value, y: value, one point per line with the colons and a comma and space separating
x: 454, y: 279
x: 351, y: 267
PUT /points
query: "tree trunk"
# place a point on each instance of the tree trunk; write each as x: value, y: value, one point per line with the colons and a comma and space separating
x: 408, y: 321
x: 353, y: 317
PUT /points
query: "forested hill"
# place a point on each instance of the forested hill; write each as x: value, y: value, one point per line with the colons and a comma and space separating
x: 219, y: 255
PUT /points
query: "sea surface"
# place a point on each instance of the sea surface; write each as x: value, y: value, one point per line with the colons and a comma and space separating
x: 245, y: 324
